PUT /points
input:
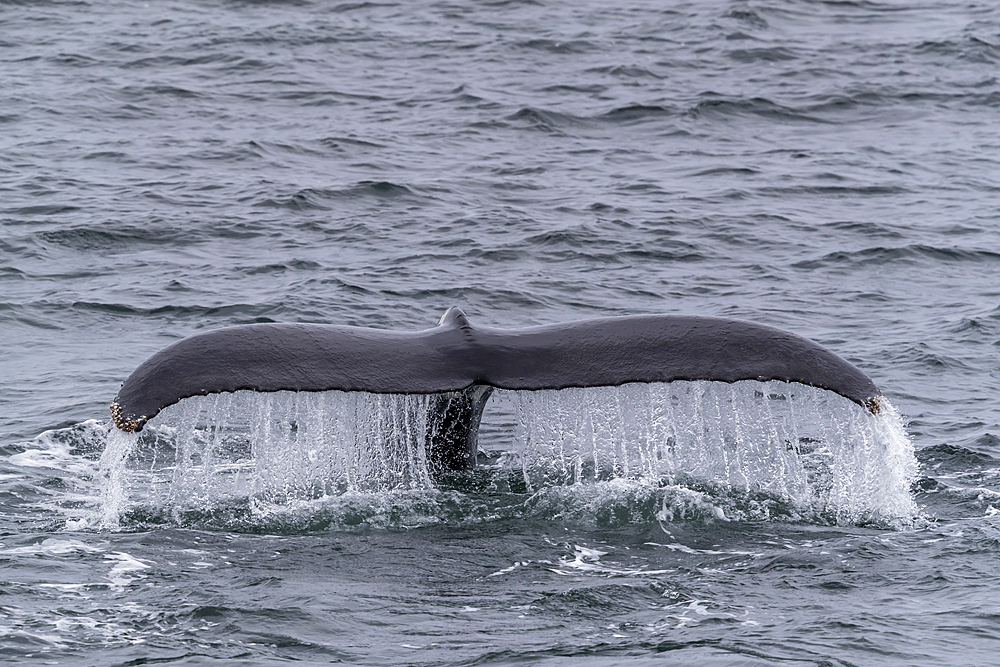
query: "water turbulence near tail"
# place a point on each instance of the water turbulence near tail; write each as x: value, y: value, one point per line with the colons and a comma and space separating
x: 817, y: 451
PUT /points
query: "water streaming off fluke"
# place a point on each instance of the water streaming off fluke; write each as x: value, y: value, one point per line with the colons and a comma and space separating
x: 810, y: 449
x: 814, y: 449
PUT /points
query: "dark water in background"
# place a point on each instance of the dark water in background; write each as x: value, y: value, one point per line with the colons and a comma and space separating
x: 830, y: 168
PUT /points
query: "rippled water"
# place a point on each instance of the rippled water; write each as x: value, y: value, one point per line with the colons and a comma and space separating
x: 830, y: 168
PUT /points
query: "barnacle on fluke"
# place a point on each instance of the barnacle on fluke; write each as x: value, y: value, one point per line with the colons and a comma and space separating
x: 874, y: 404
x: 127, y: 425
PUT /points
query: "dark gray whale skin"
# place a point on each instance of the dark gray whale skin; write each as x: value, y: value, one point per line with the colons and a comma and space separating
x: 456, y: 356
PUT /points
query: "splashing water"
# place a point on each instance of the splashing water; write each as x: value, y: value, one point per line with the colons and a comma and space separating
x: 274, y: 447
x: 821, y: 452
x: 811, y: 449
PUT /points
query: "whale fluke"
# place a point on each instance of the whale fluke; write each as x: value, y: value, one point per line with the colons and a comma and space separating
x: 456, y: 356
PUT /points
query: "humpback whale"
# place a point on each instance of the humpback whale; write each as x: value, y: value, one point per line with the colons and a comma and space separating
x: 463, y: 364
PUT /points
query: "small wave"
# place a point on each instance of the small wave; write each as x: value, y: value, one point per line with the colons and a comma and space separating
x: 9, y: 272
x: 726, y: 171
x: 571, y: 238
x: 234, y: 62
x: 344, y: 513
x: 244, y: 313
x: 153, y: 92
x: 971, y: 48
x: 265, y: 148
x: 323, y: 199
x: 748, y: 17
x: 319, y: 97
x: 114, y: 237
x: 584, y: 88
x: 550, y: 121
x: 339, y: 143
x: 598, y: 602
x: 346, y: 7
x: 76, y: 60
x: 571, y: 46
x: 42, y: 209
x: 625, y: 71
x: 909, y: 254
x: 282, y: 267
x: 116, y: 157
x: 931, y: 361
x: 635, y: 112
x: 835, y: 103
x: 948, y: 457
x: 961, y: 500
x: 508, y: 3
x: 865, y: 228
x: 725, y: 108
x: 270, y: 3
x: 763, y: 54
x: 306, y: 199
x: 557, y: 122
x: 834, y: 191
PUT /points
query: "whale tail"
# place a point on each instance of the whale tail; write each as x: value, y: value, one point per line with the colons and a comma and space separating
x: 462, y: 364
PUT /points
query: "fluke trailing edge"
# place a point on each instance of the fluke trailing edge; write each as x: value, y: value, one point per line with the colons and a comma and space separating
x: 456, y: 356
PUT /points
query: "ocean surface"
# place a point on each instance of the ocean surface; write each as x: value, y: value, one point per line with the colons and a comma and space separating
x: 831, y: 168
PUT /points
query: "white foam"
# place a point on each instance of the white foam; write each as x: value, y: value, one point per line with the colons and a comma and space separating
x: 52, y: 547
x: 125, y: 571
x: 54, y: 448
x: 585, y: 559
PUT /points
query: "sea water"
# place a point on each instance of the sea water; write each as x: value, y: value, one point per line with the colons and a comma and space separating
x: 828, y: 168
